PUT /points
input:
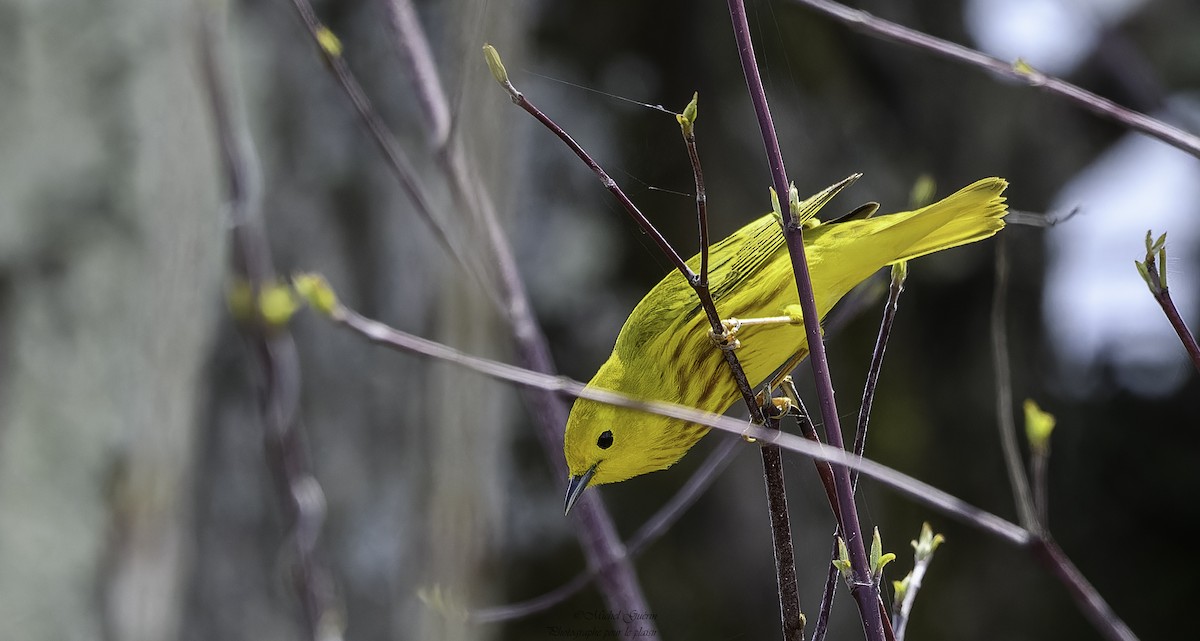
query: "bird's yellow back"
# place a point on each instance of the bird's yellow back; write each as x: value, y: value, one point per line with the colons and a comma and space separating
x: 664, y: 352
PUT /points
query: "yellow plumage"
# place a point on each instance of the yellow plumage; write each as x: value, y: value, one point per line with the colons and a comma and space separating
x: 664, y: 352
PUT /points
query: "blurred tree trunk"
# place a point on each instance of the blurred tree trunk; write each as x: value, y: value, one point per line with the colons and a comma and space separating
x: 411, y: 455
x: 468, y: 420
x: 109, y: 256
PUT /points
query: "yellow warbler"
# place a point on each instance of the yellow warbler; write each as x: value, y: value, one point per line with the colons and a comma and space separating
x: 664, y: 351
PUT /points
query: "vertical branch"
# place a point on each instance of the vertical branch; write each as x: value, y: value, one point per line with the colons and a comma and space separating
x: 781, y: 539
x: 827, y: 593
x: 297, y: 489
x: 1004, y: 409
x: 687, y: 121
x: 1039, y: 460
x: 895, y: 288
x: 864, y: 588
x: 906, y: 591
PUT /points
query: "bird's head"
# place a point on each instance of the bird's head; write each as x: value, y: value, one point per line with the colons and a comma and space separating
x: 606, y: 444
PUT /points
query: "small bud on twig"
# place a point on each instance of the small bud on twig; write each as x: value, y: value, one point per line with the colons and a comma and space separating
x: 329, y: 42
x: 316, y: 291
x: 1038, y: 426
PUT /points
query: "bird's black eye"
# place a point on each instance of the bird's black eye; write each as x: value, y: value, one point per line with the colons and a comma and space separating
x: 605, y: 440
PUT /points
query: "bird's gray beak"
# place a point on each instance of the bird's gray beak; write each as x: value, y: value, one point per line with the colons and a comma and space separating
x: 575, y: 487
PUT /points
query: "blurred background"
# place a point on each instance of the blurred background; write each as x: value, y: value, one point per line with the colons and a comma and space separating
x: 135, y: 500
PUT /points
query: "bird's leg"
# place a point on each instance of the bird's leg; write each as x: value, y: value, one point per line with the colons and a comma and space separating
x: 777, y: 407
x: 795, y: 405
x: 780, y: 406
x: 728, y: 340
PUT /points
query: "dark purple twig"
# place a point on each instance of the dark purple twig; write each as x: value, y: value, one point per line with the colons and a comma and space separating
x: 809, y: 431
x: 889, y: 634
x: 299, y: 493
x: 1181, y: 328
x: 863, y: 21
x: 895, y: 288
x: 687, y: 122
x: 864, y: 588
x: 1158, y: 288
x: 702, y: 292
x: 781, y: 541
x: 630, y: 208
x: 1084, y: 594
x: 772, y: 457
x: 828, y: 590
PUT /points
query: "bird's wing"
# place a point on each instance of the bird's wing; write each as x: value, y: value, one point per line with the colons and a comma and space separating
x: 672, y: 304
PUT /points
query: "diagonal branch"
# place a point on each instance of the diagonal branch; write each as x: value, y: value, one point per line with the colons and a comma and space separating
x: 1044, y: 550
x: 772, y: 459
x: 594, y: 527
x: 1004, y: 397
x: 395, y: 156
x: 1018, y: 71
x: 919, y: 491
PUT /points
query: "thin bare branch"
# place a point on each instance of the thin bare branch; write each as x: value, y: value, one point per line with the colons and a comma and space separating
x: 296, y: 487
x: 895, y: 288
x: 772, y: 458
x: 611, y: 185
x: 923, y: 548
x: 919, y: 491
x: 828, y: 591
x: 1015, y: 70
x: 1039, y: 461
x: 397, y: 160
x: 687, y: 123
x: 1004, y: 398
x: 1082, y: 592
x: 1156, y: 251
x: 1087, y: 598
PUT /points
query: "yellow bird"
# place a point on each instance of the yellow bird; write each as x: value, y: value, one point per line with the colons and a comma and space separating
x: 665, y: 353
